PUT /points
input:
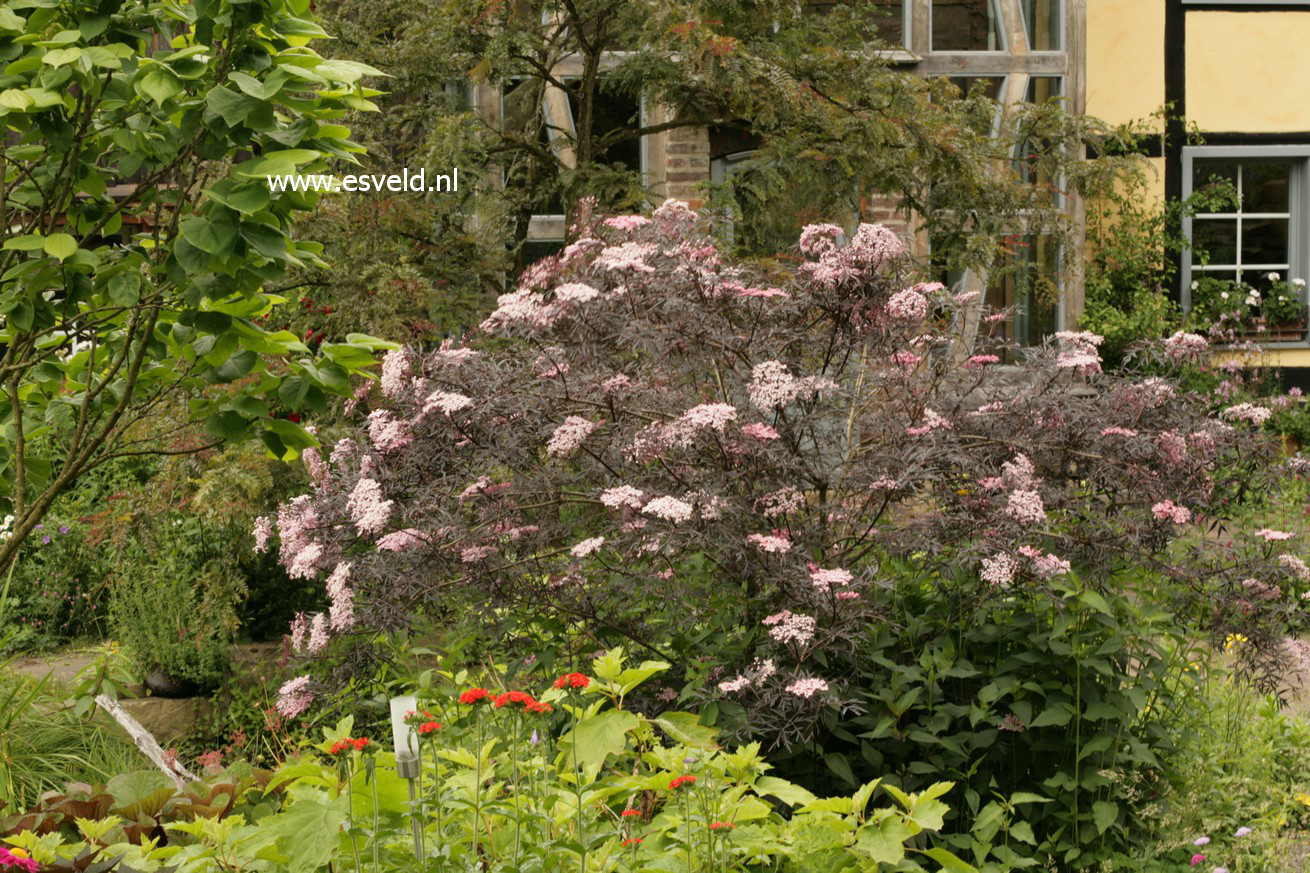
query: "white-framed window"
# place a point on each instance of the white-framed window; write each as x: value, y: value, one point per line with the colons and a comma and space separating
x: 1262, y: 236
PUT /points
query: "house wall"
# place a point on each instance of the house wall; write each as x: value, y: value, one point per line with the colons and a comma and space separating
x: 1234, y: 62
x: 1125, y: 59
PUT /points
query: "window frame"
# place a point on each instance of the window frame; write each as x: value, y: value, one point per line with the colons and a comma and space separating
x: 1062, y: 28
x: 1298, y: 207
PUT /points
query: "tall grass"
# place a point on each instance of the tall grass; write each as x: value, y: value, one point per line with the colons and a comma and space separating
x: 43, y: 744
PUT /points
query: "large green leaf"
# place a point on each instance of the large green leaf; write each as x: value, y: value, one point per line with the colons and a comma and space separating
x: 158, y: 83
x: 598, y: 737
x: 60, y: 245
x: 685, y: 728
x: 307, y: 832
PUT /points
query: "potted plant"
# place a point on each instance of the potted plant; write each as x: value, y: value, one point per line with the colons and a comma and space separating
x: 173, y: 608
x: 1284, y: 309
x: 1215, y: 299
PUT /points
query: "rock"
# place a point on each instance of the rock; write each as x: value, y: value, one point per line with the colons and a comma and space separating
x: 168, y: 719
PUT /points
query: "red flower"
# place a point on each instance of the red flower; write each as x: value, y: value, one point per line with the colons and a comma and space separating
x: 473, y: 695
x: 360, y: 743
x: 629, y: 813
x: 632, y: 841
x: 342, y: 745
x: 572, y: 680
x: 501, y: 700
x: 722, y: 825
x: 428, y: 727
x: 679, y: 781
x: 537, y: 706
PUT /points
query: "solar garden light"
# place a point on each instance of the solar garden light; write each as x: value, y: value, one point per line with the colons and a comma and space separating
x: 405, y: 742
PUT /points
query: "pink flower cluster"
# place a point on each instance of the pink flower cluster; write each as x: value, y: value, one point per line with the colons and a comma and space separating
x: 294, y: 697
x: 1295, y: 566
x: 807, y: 687
x: 1184, y: 345
x: 623, y: 496
x: 872, y: 246
x: 1080, y: 351
x: 778, y: 542
x: 818, y: 239
x: 669, y: 508
x: 368, y: 509
x: 342, y: 610
x: 780, y: 502
x: 908, y: 305
x: 772, y: 386
x: 823, y: 580
x: 1167, y: 510
x: 999, y: 569
x: 569, y: 436
x: 387, y: 433
x: 1256, y: 415
x: 587, y: 546
x: 396, y: 367
x: 1026, y: 507
x: 788, y: 627
x: 931, y: 421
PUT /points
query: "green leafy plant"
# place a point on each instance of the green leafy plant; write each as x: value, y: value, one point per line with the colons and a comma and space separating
x: 573, y: 780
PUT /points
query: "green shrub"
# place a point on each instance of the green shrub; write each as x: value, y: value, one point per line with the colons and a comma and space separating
x: 174, y: 598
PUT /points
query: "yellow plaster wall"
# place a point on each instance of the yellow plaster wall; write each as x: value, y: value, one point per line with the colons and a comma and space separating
x: 1125, y: 59
x: 1246, y: 71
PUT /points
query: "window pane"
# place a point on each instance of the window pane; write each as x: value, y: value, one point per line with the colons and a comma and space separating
x: 1264, y: 241
x: 1042, y: 20
x: 1042, y: 88
x: 889, y: 21
x: 611, y: 113
x: 1264, y: 187
x: 965, y: 25
x: 1215, y: 237
x: 1208, y: 173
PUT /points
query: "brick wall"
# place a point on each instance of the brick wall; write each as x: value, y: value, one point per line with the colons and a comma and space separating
x: 688, y: 162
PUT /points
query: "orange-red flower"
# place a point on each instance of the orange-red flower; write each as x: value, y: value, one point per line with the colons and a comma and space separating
x: 473, y: 695
x: 722, y: 825
x: 429, y: 727
x: 632, y: 841
x: 629, y: 813
x: 680, y: 781
x: 345, y: 744
x: 572, y: 680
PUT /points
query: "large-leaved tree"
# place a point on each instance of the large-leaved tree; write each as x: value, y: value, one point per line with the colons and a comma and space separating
x: 140, y: 231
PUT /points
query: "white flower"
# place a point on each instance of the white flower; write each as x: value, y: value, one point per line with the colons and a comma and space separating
x: 1252, y: 300
x: 1274, y: 277
x: 1195, y: 285
x: 1298, y: 283
x: 1224, y: 294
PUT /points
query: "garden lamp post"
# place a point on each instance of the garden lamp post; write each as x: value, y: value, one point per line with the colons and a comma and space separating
x: 408, y: 766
